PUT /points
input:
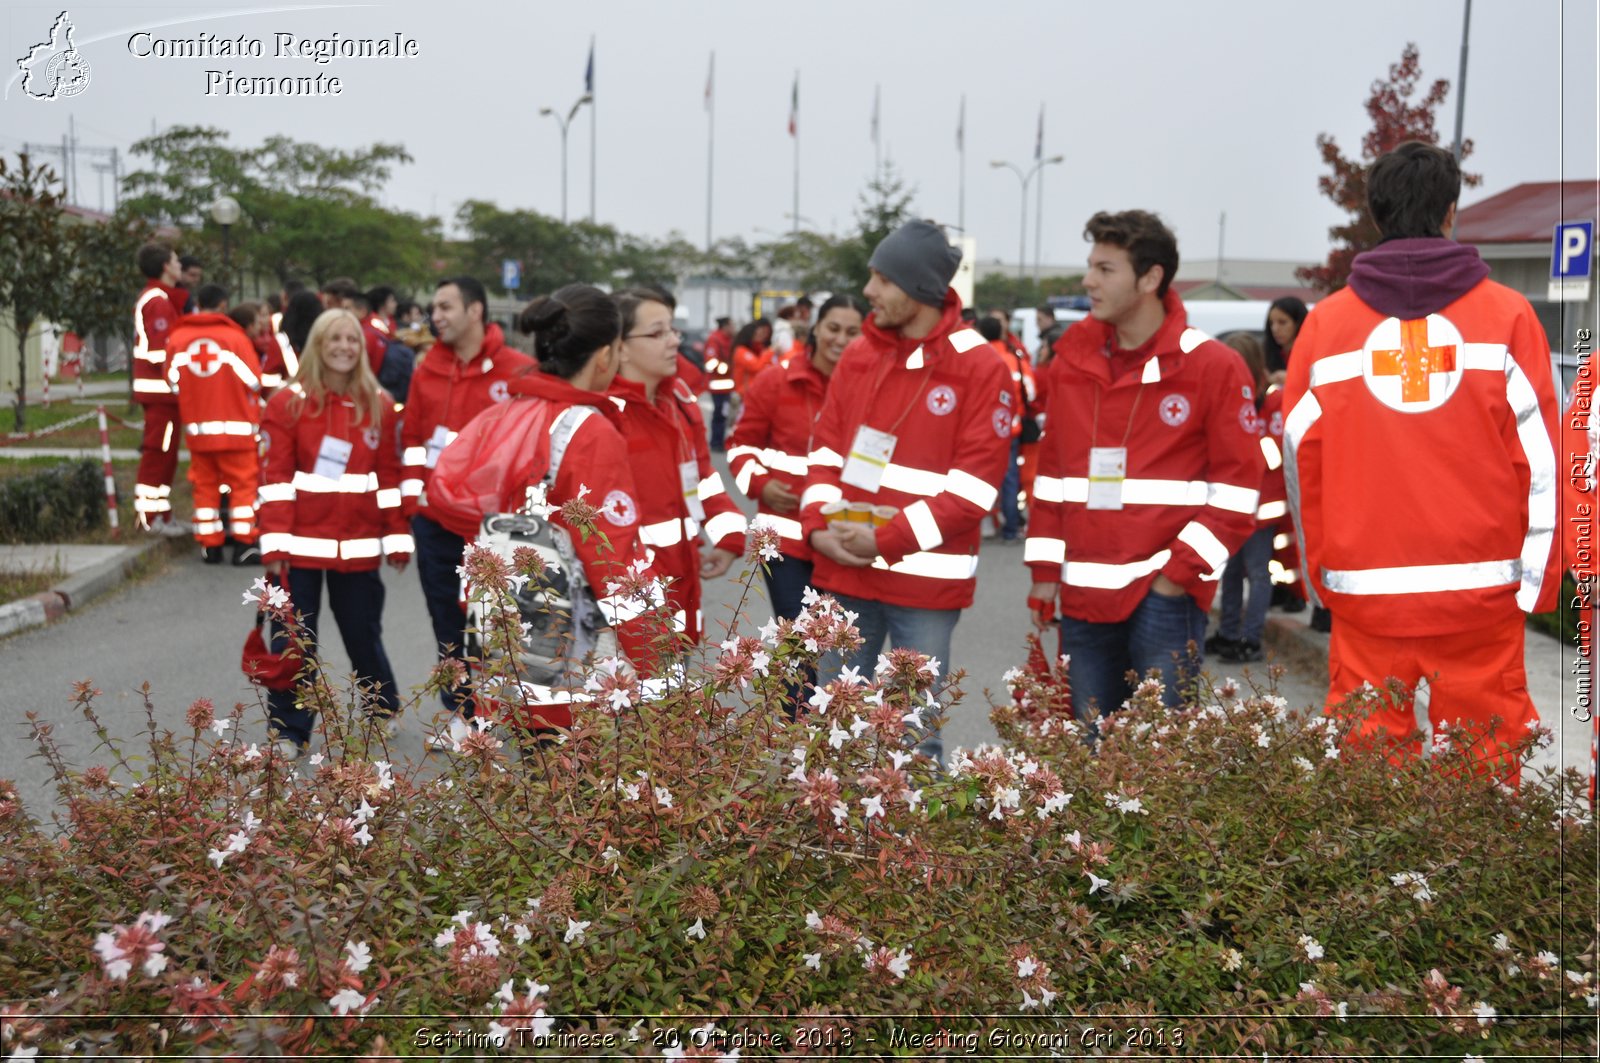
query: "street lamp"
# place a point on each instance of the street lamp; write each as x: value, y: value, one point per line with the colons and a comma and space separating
x: 564, y: 123
x: 1022, y: 245
x: 225, y: 211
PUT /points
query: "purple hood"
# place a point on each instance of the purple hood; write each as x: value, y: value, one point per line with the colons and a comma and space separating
x: 1413, y: 278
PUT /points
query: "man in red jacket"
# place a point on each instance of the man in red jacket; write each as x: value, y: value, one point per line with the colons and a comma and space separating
x: 1148, y: 472
x: 216, y: 376
x: 917, y: 423
x: 465, y: 372
x: 154, y: 314
x: 1420, y: 443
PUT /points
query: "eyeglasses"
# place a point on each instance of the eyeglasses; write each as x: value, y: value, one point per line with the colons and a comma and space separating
x: 659, y: 334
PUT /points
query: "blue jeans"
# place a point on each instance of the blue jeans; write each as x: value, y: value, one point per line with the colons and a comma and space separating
x: 1010, y: 487
x: 719, y: 418
x: 439, y: 554
x: 1250, y: 563
x: 1159, y: 635
x: 356, y: 599
x: 927, y: 631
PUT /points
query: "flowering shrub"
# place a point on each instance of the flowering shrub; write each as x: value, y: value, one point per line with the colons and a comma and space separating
x: 688, y: 872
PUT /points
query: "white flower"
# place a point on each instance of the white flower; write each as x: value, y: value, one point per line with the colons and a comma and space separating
x: 820, y: 700
x: 813, y: 920
x: 857, y: 725
x: 358, y: 956
x: 838, y: 736
x: 899, y: 759
x: 521, y: 932
x: 221, y: 725
x: 852, y: 675
x: 760, y: 662
x: 913, y: 718
x: 253, y: 753
x: 1028, y: 1003
x: 813, y: 960
x: 698, y: 930
x: 663, y: 797
x: 841, y: 812
x: 347, y: 1000
x: 1075, y: 840
x: 1310, y: 947
x: 1417, y: 882
x: 1026, y: 966
x: 1096, y: 883
x: 1502, y: 943
x: 1131, y: 804
x: 431, y: 872
x: 610, y: 855
x: 1232, y: 959
x: 1342, y: 1011
x: 217, y: 856
x: 930, y: 667
x: 1549, y: 959
x: 575, y: 929
x: 1484, y: 1013
x: 1304, y: 765
x: 769, y: 631
x: 315, y: 760
x: 872, y: 806
x: 900, y: 964
x: 364, y: 836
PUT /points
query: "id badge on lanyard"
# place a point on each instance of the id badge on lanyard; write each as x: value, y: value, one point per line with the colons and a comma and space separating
x: 333, y: 457
x: 869, y: 456
x: 689, y: 480
x: 1108, y: 467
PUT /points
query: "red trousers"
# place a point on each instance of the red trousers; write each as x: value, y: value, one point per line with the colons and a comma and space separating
x: 212, y: 470
x: 1476, y: 678
x: 158, y: 463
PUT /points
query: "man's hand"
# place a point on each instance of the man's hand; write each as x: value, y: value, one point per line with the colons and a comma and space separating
x: 398, y: 562
x: 859, y: 539
x: 779, y: 498
x: 1168, y: 589
x: 716, y: 563
x: 826, y: 542
x: 1043, y: 592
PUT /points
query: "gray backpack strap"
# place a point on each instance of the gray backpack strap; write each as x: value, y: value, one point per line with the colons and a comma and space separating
x: 561, y: 434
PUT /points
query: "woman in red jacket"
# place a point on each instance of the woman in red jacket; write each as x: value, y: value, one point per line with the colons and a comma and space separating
x: 330, y: 510
x: 679, y: 491
x: 768, y: 450
x: 752, y: 352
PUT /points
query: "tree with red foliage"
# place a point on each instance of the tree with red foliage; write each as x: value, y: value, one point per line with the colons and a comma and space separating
x: 1395, y: 120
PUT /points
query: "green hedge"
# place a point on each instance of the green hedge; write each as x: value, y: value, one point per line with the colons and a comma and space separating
x: 54, y: 503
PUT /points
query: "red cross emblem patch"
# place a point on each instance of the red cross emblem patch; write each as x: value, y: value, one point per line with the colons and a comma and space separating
x: 941, y: 400
x: 1174, y: 410
x: 619, y: 509
x: 205, y: 357
x: 1413, y: 366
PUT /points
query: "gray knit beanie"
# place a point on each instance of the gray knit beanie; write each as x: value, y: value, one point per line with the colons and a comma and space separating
x: 919, y: 259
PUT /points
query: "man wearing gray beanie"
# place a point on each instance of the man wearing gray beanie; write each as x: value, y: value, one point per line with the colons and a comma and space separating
x: 909, y: 451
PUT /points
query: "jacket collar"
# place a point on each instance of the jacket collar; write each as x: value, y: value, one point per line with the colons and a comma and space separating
x: 446, y: 361
x: 552, y: 388
x: 1086, y: 345
x: 901, y: 346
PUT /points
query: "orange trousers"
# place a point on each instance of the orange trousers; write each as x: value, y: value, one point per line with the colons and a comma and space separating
x: 240, y: 472
x: 1476, y: 678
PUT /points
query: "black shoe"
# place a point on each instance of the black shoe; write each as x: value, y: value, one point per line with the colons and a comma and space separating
x: 245, y: 554
x: 1244, y: 652
x: 1292, y: 604
x: 1219, y: 645
x: 211, y: 555
x: 1321, y: 620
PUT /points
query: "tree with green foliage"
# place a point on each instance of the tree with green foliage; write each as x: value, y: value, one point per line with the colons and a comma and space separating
x: 1395, y: 120
x: 1011, y: 293
x: 105, y: 276
x: 37, y: 252
x: 883, y: 206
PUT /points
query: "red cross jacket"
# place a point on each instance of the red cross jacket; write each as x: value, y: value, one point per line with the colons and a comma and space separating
x: 446, y: 394
x: 323, y: 505
x: 663, y: 436
x: 771, y: 441
x: 213, y: 369
x: 1187, y: 415
x: 1420, y: 446
x: 719, y: 362
x: 946, y: 399
x: 748, y: 362
x: 156, y: 311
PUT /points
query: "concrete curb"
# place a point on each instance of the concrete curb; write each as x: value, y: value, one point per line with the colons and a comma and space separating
x: 77, y: 590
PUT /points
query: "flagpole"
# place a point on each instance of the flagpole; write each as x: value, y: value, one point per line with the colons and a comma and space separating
x: 877, y: 138
x: 961, y: 148
x: 592, y: 128
x: 1038, y: 214
x: 711, y: 132
x: 796, y: 109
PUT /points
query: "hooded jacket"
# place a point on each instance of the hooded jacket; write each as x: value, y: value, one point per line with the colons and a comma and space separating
x: 213, y: 370
x: 1183, y: 407
x: 946, y: 398
x: 445, y: 394
x: 155, y: 313
x: 1419, y: 445
x: 775, y: 433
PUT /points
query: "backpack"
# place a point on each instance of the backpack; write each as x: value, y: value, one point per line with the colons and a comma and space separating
x: 560, y: 619
x: 490, y: 459
x: 395, y: 372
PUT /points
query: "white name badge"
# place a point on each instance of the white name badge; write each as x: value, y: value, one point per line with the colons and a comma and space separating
x: 869, y: 456
x: 1108, y: 467
x: 333, y: 457
x: 689, y: 480
x: 436, y: 444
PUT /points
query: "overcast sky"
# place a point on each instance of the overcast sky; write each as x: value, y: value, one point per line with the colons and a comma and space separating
x: 1190, y: 109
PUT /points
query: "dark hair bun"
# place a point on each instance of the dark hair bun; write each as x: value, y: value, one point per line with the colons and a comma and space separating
x: 568, y: 326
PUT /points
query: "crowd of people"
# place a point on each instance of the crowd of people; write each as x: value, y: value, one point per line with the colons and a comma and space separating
x: 1389, y: 457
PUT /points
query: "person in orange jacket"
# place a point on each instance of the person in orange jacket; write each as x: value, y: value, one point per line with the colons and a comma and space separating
x: 155, y: 312
x: 680, y: 493
x: 213, y: 369
x: 752, y: 352
x: 1420, y: 458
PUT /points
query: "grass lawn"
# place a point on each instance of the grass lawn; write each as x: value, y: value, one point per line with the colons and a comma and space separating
x: 17, y: 583
x: 83, y: 434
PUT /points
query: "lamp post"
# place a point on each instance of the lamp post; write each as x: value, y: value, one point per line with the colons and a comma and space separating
x: 225, y: 211
x: 564, y: 123
x: 1025, y: 177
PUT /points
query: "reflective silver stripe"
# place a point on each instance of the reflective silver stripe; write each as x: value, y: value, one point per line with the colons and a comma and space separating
x: 1539, y: 539
x: 711, y: 486
x: 1336, y: 368
x: 912, y: 481
x: 1490, y: 356
x: 964, y: 339
x: 1423, y: 579
x: 351, y: 483
x: 1270, y: 451
x: 275, y: 542
x: 914, y: 359
x: 1054, y: 489
x: 415, y: 456
x: 1104, y: 577
x: 1231, y: 498
x: 141, y: 342
x: 1204, y: 542
x: 399, y: 544
x: 735, y: 453
x: 1295, y: 427
x: 355, y: 549
x: 747, y: 473
x: 662, y: 533
x: 966, y: 486
x: 780, y: 461
x: 1143, y: 492
x: 923, y: 526
x: 786, y: 527
x: 323, y: 549
x: 721, y: 525
x: 1272, y: 510
x: 1039, y: 550
x: 271, y: 380
x: 208, y: 527
x: 291, y: 361
x: 182, y: 360
x: 388, y: 497
x: 1191, y: 338
x: 1281, y: 541
x: 241, y: 512
x: 152, y: 386
x: 825, y: 458
x: 206, y: 513
x: 411, y: 488
x: 157, y: 356
x: 221, y: 428
x: 720, y: 384
x: 823, y: 493
x: 680, y: 620
x: 933, y: 566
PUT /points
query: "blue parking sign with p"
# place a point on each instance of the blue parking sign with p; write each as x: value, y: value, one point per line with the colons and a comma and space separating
x: 510, y: 274
x: 1573, y: 252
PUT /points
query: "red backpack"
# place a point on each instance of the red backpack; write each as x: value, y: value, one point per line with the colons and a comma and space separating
x: 494, y: 455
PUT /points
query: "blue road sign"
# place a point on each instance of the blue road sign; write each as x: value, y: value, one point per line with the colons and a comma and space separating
x: 510, y: 274
x: 1572, y: 254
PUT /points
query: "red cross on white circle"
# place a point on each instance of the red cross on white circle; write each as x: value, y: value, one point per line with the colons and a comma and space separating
x: 205, y: 357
